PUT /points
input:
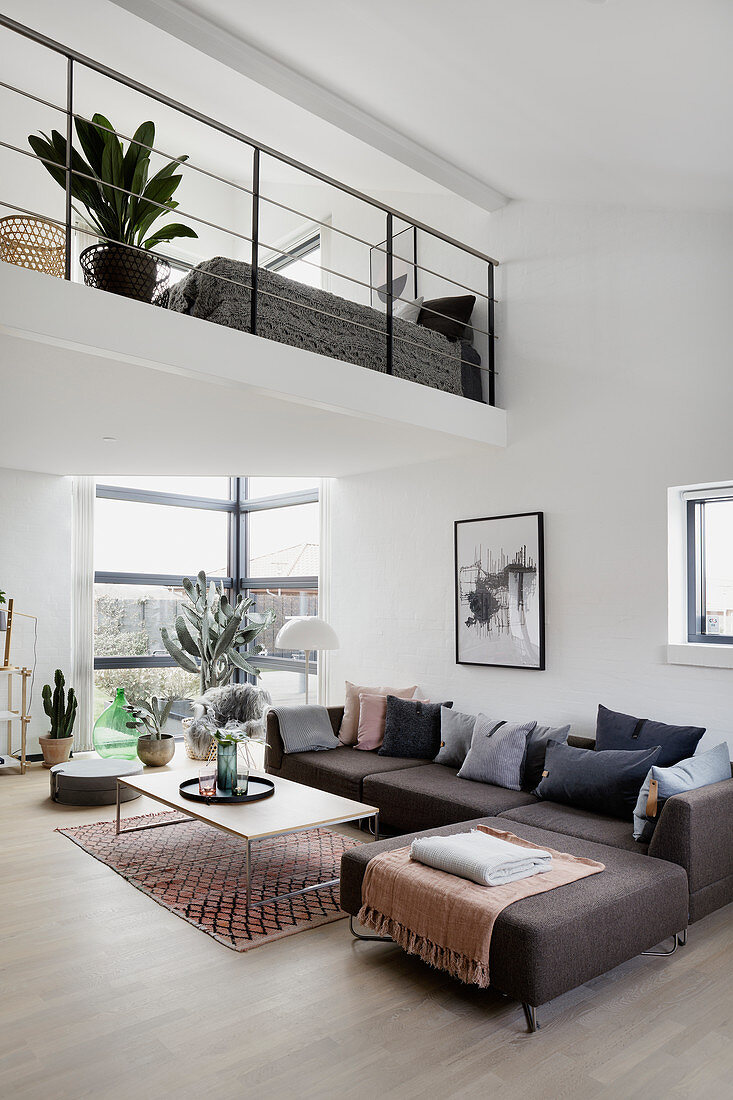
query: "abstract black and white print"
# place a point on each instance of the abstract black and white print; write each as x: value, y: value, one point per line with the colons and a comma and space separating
x: 500, y: 591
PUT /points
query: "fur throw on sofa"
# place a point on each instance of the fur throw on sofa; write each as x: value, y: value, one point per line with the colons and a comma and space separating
x: 239, y: 708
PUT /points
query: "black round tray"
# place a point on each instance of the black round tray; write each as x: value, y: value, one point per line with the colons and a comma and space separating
x: 263, y: 788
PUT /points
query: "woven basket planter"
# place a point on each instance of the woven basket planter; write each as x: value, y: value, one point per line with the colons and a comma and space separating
x: 131, y: 272
x: 193, y: 751
x: 33, y: 243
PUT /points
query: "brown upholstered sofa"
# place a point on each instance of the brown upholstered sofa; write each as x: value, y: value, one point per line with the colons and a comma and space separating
x: 546, y: 945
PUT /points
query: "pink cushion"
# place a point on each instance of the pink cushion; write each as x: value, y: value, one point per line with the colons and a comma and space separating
x: 349, y: 729
x: 372, y: 713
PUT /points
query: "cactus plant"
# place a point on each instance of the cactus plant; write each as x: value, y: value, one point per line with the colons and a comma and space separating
x: 209, y: 643
x: 60, y: 709
x: 150, y: 716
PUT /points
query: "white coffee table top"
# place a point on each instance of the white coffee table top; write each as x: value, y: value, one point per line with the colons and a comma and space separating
x: 292, y: 807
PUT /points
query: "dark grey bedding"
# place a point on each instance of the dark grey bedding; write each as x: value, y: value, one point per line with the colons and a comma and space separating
x: 219, y: 291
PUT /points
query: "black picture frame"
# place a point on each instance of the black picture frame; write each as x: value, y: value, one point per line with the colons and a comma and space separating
x: 500, y: 621
x: 404, y: 268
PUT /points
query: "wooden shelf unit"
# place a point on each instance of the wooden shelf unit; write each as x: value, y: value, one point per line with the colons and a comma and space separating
x: 11, y: 715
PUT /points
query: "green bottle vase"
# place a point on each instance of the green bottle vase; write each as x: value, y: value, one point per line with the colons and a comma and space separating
x: 111, y: 736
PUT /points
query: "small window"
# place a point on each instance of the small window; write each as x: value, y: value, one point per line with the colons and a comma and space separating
x: 301, y: 262
x: 710, y: 567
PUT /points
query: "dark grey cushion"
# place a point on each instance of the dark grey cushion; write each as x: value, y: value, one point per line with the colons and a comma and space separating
x: 411, y: 728
x: 497, y: 753
x: 431, y: 795
x: 604, y: 782
x: 534, y: 760
x: 450, y: 315
x: 340, y: 771
x: 456, y: 731
x: 615, y: 730
x: 545, y: 945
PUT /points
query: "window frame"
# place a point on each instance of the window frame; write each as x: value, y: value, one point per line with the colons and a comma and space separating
x: 298, y: 251
x: 238, y: 581
x: 696, y: 581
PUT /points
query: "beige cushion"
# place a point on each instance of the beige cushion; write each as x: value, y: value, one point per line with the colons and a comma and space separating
x: 350, y: 721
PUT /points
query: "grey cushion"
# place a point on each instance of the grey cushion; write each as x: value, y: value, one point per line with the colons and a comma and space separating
x: 598, y: 828
x: 339, y: 772
x: 604, y: 782
x: 534, y: 761
x: 306, y: 729
x: 411, y: 728
x: 615, y: 730
x: 456, y: 731
x: 497, y: 753
x: 712, y: 766
x: 434, y: 795
x: 93, y: 782
x: 545, y: 945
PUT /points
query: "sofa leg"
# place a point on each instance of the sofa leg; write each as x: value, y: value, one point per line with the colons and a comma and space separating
x: 361, y: 936
x: 530, y: 1014
x: 682, y: 938
x: 676, y: 941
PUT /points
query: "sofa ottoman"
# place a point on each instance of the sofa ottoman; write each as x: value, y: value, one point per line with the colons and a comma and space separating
x: 93, y: 782
x: 545, y: 945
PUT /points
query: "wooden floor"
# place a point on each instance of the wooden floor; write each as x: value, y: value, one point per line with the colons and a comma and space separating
x: 105, y: 994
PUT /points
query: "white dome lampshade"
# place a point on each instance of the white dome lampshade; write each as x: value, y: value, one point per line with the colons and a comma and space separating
x: 308, y: 633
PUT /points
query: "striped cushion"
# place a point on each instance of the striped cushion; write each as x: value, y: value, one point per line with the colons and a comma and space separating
x: 497, y: 753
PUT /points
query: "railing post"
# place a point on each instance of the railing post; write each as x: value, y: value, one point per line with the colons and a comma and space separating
x: 390, y: 302
x: 490, y: 330
x: 69, y: 137
x: 255, y: 237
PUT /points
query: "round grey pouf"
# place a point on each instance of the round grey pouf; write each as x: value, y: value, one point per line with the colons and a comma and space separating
x: 92, y: 782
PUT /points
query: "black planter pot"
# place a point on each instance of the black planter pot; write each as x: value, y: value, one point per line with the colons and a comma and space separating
x: 132, y: 272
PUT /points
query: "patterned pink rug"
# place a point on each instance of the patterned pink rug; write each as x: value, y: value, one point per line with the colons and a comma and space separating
x: 199, y: 874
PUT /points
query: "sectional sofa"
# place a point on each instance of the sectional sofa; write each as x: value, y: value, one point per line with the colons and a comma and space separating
x: 544, y: 945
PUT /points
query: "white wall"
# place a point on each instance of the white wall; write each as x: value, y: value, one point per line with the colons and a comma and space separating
x: 35, y: 569
x: 615, y: 368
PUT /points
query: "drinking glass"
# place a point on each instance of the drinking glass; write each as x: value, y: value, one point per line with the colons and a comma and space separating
x: 207, y: 779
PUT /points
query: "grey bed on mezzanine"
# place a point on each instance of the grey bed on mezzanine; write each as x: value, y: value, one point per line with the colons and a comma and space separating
x: 289, y: 312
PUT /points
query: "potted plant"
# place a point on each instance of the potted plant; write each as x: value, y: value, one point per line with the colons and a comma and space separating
x: 61, y: 710
x: 3, y: 614
x: 121, y: 203
x: 154, y: 747
x: 209, y: 635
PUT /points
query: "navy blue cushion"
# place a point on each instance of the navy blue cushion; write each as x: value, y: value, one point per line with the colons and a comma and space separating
x: 604, y: 782
x: 615, y: 730
x: 412, y: 729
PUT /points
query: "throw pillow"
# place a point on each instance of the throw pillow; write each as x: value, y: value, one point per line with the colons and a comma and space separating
x: 615, y: 730
x: 372, y: 714
x: 497, y: 753
x: 456, y: 731
x: 408, y: 311
x: 349, y: 728
x: 534, y: 761
x: 306, y: 729
x: 448, y: 315
x: 411, y: 728
x: 712, y: 766
x: 604, y: 782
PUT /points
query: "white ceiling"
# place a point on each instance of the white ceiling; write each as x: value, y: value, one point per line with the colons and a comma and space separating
x: 622, y: 101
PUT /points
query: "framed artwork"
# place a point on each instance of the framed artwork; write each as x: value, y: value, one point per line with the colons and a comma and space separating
x: 499, y: 591
x: 404, y: 268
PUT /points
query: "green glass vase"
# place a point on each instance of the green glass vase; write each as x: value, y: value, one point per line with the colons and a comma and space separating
x: 111, y: 736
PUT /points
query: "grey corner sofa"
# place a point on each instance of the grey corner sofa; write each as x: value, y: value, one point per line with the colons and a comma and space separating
x: 548, y: 944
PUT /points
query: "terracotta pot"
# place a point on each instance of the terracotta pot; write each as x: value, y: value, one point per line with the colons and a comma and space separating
x: 56, y: 750
x: 155, y: 753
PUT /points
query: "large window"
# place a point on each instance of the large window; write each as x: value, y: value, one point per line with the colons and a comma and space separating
x: 710, y: 567
x: 258, y: 536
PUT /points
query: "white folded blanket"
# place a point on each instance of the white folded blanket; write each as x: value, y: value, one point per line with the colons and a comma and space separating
x: 483, y: 859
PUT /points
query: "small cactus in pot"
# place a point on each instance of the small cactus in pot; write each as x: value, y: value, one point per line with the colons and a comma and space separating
x: 61, y: 710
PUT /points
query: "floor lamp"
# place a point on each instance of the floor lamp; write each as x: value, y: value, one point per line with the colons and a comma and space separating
x: 307, y: 633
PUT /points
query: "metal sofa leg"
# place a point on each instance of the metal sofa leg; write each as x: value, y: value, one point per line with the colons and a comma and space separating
x: 361, y: 936
x: 676, y: 940
x: 530, y: 1014
x: 682, y: 938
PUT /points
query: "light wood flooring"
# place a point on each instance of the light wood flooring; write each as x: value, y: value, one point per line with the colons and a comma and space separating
x: 104, y: 994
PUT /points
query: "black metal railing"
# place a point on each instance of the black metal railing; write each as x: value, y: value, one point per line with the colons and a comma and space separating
x: 257, y: 246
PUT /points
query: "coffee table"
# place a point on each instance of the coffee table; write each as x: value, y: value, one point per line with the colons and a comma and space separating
x: 293, y: 808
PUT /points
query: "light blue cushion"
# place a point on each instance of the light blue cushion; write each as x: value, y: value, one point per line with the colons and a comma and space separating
x: 456, y: 731
x: 712, y: 766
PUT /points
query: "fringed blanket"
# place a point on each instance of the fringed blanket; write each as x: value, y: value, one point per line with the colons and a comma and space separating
x: 448, y: 921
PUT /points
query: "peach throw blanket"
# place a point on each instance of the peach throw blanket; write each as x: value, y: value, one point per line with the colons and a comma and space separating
x: 447, y: 920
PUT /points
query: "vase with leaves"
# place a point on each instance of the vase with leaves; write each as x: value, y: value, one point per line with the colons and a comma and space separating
x: 121, y: 202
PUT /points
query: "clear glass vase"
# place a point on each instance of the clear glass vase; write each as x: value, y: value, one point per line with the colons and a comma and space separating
x: 111, y: 736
